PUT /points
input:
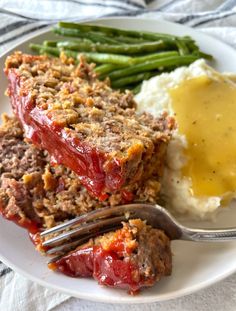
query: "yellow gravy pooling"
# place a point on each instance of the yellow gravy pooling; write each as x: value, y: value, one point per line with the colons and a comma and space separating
x: 206, y: 115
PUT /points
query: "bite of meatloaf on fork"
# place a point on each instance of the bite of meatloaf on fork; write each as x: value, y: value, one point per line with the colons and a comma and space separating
x: 132, y: 257
x: 85, y: 125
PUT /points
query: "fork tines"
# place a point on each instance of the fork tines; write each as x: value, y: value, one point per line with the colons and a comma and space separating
x: 84, y: 229
x: 70, y: 234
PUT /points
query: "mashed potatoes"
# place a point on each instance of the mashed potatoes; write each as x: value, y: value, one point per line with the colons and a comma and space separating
x: 183, y: 190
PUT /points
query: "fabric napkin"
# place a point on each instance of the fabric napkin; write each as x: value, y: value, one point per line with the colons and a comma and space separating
x: 18, y: 19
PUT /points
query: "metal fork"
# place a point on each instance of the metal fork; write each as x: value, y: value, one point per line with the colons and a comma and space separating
x: 77, y: 231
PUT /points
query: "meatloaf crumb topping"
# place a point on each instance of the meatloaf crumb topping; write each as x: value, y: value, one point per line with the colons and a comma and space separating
x: 84, y: 124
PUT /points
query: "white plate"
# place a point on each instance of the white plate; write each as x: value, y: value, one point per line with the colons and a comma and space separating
x: 195, y: 265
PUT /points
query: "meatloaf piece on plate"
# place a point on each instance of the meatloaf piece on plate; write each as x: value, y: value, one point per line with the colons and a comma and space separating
x: 132, y: 257
x: 84, y: 124
x: 37, y: 195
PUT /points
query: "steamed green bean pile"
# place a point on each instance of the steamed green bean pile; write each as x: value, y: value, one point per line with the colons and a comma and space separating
x: 127, y: 57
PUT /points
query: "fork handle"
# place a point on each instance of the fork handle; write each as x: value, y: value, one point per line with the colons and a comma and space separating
x: 208, y: 235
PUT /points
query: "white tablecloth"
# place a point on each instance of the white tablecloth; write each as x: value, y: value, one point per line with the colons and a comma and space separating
x: 17, y: 20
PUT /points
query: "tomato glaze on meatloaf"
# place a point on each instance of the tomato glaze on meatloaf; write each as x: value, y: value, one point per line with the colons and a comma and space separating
x: 84, y: 124
x: 37, y: 195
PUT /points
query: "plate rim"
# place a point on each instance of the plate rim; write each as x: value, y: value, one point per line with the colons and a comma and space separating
x: 126, y: 299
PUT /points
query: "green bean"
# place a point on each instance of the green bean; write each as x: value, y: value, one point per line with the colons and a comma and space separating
x: 56, y: 43
x: 149, y: 57
x: 132, y: 79
x: 124, y: 39
x: 50, y: 43
x: 194, y: 49
x: 94, y: 57
x: 44, y: 49
x: 136, y: 59
x: 103, y: 58
x: 146, y: 47
x: 105, y: 68
x: 203, y: 55
x: 119, y: 32
x: 182, y: 47
x: 153, y: 65
x: 93, y: 36
x: 108, y: 58
x: 192, y: 46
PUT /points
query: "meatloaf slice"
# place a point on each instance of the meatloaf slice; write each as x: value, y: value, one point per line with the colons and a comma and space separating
x: 33, y: 190
x: 132, y: 257
x: 84, y: 124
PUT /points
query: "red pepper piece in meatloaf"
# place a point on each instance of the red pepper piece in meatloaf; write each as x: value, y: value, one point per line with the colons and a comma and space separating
x: 132, y: 257
x: 84, y: 124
